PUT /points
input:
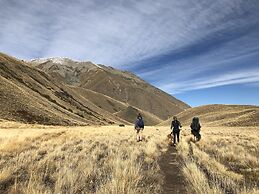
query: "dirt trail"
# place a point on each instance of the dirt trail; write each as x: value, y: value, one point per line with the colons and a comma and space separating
x: 170, y: 166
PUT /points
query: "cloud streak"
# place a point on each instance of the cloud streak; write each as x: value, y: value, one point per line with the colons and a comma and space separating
x: 230, y: 78
x: 169, y: 43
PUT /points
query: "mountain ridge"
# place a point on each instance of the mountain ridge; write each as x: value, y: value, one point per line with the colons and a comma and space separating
x: 54, y: 92
x: 123, y: 86
x: 29, y: 95
x: 220, y: 115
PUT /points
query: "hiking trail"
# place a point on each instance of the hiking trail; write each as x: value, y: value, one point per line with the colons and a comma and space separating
x: 174, y: 179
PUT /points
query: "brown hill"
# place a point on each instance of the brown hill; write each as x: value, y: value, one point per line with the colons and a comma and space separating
x: 220, y: 115
x: 30, y: 95
x: 102, y: 101
x: 120, y: 109
x: 129, y: 114
x: 121, y: 86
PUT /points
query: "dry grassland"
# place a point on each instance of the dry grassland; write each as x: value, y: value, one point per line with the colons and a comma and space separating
x: 226, y: 160
x: 40, y: 159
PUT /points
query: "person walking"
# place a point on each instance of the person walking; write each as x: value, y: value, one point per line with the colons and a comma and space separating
x: 175, y: 127
x: 139, y: 127
x: 196, y: 128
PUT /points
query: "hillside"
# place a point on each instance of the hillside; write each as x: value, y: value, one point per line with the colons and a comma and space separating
x: 120, y: 109
x: 220, y: 115
x: 121, y: 86
x: 102, y: 101
x: 29, y: 95
x: 129, y: 114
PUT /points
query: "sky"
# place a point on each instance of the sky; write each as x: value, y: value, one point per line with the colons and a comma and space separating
x: 202, y: 51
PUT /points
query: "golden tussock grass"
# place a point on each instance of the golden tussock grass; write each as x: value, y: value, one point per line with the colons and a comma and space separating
x: 38, y: 159
x: 46, y: 159
x: 226, y: 160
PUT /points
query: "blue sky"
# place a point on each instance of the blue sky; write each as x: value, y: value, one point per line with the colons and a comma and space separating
x: 202, y: 51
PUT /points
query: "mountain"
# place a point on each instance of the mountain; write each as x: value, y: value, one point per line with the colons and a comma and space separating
x: 120, y: 109
x: 129, y: 114
x: 125, y: 88
x: 220, y: 115
x: 32, y: 96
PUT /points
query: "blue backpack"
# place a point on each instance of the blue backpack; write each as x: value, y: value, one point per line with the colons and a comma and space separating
x: 140, y: 123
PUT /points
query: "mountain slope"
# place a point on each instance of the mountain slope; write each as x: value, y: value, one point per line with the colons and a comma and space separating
x: 120, y: 109
x: 220, y: 115
x: 129, y: 114
x: 30, y: 95
x: 102, y: 101
x: 119, y: 85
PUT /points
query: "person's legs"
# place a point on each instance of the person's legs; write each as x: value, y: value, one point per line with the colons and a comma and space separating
x: 174, y: 137
x: 194, y: 134
x: 137, y: 134
x: 178, y: 136
x: 140, y: 134
x: 198, y: 136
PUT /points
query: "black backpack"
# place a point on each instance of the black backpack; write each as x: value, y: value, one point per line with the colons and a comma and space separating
x: 195, y: 124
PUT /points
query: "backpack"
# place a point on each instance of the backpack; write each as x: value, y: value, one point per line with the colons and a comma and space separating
x: 140, y: 123
x: 176, y: 126
x: 195, y: 124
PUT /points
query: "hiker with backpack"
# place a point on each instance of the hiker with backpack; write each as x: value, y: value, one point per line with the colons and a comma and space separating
x: 175, y: 127
x: 139, y: 127
x: 196, y: 127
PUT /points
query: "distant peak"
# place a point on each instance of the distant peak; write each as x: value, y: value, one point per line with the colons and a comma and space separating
x: 63, y: 61
x: 58, y: 60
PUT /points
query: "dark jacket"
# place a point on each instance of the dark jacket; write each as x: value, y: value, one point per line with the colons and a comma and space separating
x: 139, y: 123
x: 176, y: 125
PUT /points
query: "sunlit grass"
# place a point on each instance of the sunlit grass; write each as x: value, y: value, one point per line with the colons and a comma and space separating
x: 224, y: 161
x: 38, y: 159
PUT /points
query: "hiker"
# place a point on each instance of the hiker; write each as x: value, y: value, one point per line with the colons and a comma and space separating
x: 139, y: 127
x: 175, y: 127
x: 196, y: 127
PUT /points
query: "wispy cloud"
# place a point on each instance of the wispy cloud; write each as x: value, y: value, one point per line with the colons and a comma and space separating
x: 229, y: 78
x: 115, y: 32
x: 167, y: 41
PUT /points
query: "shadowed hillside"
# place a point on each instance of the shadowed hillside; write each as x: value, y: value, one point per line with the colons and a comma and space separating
x: 120, y: 109
x: 30, y: 95
x: 220, y: 115
x: 129, y: 114
x: 102, y: 101
x: 120, y: 85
